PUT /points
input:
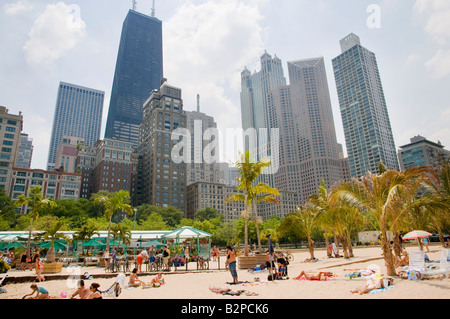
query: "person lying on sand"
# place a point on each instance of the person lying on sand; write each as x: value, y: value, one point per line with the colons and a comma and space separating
x: 376, y: 283
x: 320, y: 276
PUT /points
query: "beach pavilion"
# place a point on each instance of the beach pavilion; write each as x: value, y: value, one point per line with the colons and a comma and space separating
x: 187, y: 232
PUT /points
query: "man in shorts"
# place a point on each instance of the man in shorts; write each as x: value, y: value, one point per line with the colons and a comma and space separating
x: 143, y: 255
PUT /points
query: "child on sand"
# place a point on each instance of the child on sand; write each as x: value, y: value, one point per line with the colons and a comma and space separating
x: 39, y: 270
x: 42, y: 293
x: 158, y: 280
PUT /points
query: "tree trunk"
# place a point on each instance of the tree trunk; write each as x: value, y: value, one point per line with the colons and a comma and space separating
x: 51, y: 254
x: 327, y: 243
x: 350, y: 247
x: 311, y: 246
x: 29, y: 237
x: 257, y: 229
x: 246, y: 233
x: 344, y: 246
x: 387, y: 251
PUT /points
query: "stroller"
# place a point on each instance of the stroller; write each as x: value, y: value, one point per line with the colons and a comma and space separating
x: 114, y: 291
x: 283, y: 263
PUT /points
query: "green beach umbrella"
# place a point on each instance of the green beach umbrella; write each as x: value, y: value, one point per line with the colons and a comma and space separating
x: 151, y: 243
x: 14, y: 244
x: 56, y: 245
x: 92, y: 242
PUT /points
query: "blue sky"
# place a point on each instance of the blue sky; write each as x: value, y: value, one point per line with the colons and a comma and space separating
x: 208, y: 43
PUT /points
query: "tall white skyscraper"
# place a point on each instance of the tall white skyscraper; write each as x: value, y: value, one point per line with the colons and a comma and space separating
x: 364, y: 112
x: 255, y: 90
x: 308, y: 144
x: 78, y: 113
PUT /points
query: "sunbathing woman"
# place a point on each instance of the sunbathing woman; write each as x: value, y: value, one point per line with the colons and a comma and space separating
x: 321, y: 276
x: 402, y: 261
x: 134, y: 280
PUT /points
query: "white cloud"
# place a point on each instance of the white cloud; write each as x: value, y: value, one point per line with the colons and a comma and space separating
x: 439, y: 65
x: 17, y: 7
x: 54, y: 33
x: 437, y: 15
x: 206, y: 47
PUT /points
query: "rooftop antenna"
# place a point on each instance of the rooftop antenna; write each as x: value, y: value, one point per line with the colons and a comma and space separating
x: 153, y: 9
x: 134, y: 4
x: 198, y: 103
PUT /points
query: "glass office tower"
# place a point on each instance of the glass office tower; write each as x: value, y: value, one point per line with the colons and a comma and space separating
x: 78, y: 113
x: 365, y: 117
x: 139, y: 70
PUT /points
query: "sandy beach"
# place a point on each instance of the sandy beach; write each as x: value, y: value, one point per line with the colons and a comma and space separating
x: 192, y: 285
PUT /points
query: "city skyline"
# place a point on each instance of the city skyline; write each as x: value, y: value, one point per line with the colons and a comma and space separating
x: 411, y: 45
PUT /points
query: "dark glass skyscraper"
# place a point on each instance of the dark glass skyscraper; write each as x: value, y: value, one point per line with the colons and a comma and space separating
x: 139, y: 70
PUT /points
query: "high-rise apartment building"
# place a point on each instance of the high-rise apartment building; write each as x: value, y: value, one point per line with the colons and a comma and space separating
x: 55, y: 185
x: 110, y: 165
x: 162, y: 177
x: 10, y: 133
x: 364, y: 112
x: 302, y: 110
x: 421, y: 152
x: 139, y: 70
x: 78, y: 113
x: 25, y: 152
x: 201, y: 168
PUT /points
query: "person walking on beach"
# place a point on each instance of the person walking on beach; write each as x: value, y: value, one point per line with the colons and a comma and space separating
x: 166, y: 255
x: 39, y: 270
x: 106, y: 257
x: 231, y: 259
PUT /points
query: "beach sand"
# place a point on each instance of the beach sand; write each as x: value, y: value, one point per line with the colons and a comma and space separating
x: 191, y: 285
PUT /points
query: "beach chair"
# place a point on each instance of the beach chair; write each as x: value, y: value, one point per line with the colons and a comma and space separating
x: 3, y: 280
x: 417, y: 261
x: 116, y: 288
x: 444, y: 266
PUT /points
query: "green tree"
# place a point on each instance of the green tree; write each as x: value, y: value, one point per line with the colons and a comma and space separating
x: 36, y: 202
x: 52, y: 234
x: 86, y: 232
x: 249, y: 171
x: 7, y: 210
x: 206, y: 213
x: 385, y: 197
x: 113, y: 203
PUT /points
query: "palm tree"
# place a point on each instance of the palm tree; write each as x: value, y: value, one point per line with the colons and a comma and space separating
x: 113, y: 203
x: 52, y: 235
x: 36, y: 202
x: 303, y: 221
x: 385, y: 197
x: 85, y: 233
x: 248, y: 171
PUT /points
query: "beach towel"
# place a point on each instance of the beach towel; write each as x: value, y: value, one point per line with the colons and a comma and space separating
x: 238, y: 283
x: 305, y: 279
x: 380, y: 290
